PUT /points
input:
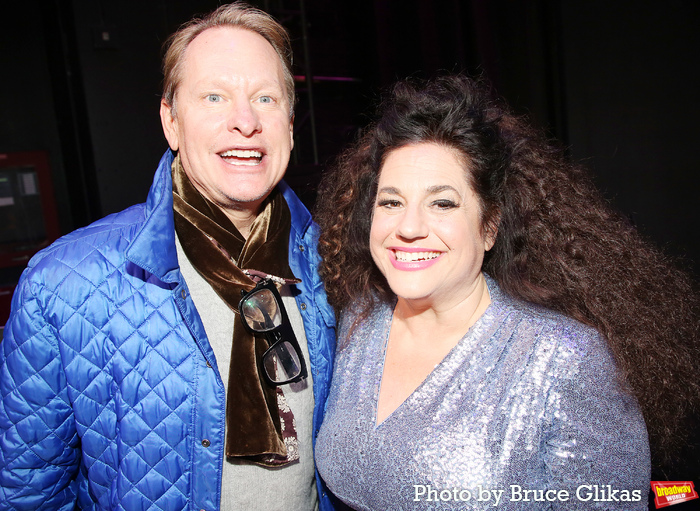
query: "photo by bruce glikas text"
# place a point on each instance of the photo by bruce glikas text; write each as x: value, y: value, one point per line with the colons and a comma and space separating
x: 516, y: 493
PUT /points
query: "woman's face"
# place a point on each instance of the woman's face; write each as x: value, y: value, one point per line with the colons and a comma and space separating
x: 426, y: 236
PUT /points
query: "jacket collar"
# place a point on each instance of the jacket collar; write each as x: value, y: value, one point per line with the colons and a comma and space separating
x: 301, y: 218
x: 153, y: 247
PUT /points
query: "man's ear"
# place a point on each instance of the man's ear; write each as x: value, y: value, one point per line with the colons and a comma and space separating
x: 169, y: 123
x: 291, y: 133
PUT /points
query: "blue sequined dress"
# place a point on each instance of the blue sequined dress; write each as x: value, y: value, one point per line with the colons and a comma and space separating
x: 525, y: 412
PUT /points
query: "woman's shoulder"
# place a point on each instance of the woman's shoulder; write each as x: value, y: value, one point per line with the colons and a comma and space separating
x: 362, y: 319
x: 571, y: 354
x: 545, y: 325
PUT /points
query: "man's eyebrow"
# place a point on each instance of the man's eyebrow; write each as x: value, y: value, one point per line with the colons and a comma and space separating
x: 225, y: 82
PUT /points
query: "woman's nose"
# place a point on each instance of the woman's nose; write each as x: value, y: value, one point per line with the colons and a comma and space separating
x: 412, y: 224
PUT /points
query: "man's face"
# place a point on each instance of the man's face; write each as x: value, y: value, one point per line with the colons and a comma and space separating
x: 230, y: 120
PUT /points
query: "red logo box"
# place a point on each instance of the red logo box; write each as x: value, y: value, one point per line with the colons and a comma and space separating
x: 668, y: 493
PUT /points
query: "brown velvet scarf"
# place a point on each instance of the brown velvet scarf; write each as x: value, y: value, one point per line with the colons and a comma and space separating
x: 219, y: 252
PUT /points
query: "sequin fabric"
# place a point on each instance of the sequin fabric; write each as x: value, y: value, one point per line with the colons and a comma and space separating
x: 525, y: 412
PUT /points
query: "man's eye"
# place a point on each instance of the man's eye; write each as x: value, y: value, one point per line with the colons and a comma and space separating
x: 213, y: 98
x: 265, y: 99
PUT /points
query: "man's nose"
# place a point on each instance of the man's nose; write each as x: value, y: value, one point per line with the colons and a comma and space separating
x: 244, y: 118
x: 413, y: 224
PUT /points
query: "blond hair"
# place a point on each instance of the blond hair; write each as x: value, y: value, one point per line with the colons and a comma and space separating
x: 239, y: 15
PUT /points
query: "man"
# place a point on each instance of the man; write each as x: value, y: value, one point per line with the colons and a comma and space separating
x: 127, y: 377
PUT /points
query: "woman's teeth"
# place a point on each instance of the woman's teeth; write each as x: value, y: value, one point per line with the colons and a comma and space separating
x: 408, y: 257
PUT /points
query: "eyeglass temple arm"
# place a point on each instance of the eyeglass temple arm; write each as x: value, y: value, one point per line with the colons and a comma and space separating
x: 257, y: 276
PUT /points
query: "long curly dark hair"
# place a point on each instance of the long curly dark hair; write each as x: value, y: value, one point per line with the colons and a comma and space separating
x: 559, y: 243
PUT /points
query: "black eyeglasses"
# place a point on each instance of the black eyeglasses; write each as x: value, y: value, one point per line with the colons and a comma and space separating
x: 262, y: 312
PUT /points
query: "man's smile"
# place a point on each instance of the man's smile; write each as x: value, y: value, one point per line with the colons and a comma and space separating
x: 242, y: 157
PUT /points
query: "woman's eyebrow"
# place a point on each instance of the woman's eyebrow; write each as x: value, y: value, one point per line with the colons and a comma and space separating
x: 432, y: 190
x: 440, y: 188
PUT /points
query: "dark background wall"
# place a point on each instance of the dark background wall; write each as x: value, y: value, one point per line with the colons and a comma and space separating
x: 615, y: 81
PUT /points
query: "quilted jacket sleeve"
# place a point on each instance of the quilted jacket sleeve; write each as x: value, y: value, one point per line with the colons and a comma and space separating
x: 39, y: 446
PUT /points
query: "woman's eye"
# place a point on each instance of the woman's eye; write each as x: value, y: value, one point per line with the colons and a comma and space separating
x: 213, y: 98
x: 388, y: 203
x: 445, y: 204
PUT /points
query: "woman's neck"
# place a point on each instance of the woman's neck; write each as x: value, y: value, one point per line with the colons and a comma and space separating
x: 425, y: 319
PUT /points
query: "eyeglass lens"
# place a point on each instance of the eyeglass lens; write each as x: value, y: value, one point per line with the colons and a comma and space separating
x: 282, y: 362
x: 261, y: 311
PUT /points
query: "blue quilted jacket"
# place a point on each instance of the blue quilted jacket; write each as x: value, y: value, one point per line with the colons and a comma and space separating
x: 108, y: 385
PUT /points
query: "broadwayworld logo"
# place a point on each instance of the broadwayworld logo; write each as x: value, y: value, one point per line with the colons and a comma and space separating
x: 668, y: 493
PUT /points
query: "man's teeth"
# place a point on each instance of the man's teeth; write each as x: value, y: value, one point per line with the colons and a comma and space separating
x: 408, y: 257
x: 238, y: 153
x: 242, y: 157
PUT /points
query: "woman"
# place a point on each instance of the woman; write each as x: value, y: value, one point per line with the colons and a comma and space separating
x: 504, y: 334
